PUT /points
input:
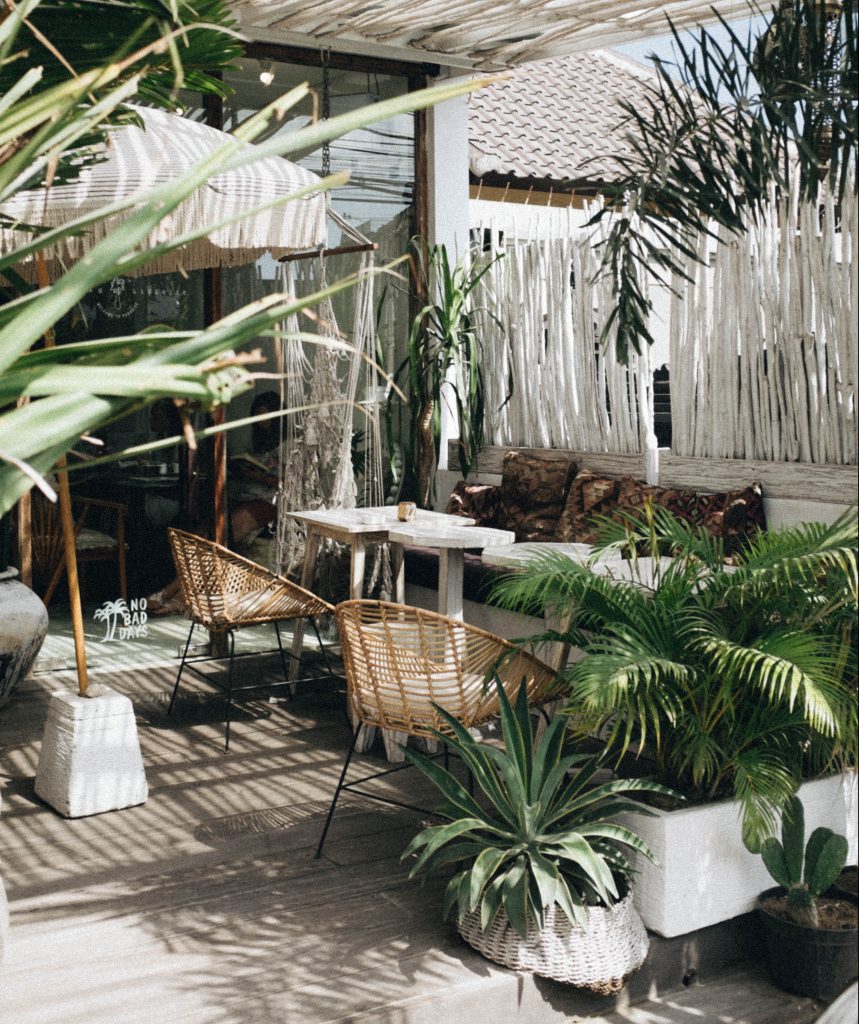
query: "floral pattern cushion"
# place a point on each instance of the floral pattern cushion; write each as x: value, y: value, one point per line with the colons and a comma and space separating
x: 533, y: 492
x: 480, y: 502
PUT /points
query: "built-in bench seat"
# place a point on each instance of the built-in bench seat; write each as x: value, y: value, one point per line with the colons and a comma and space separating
x: 553, y: 495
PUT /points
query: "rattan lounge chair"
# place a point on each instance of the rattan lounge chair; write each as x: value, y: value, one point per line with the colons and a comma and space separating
x: 225, y: 592
x: 92, y: 543
x: 399, y: 661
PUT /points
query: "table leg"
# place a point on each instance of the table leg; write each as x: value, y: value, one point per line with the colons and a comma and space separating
x: 398, y: 572
x: 356, y: 592
x: 451, y: 572
x: 311, y: 551
x: 356, y: 569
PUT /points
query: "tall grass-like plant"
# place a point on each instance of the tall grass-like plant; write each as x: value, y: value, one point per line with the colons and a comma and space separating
x: 51, y: 115
x: 541, y: 831
x: 732, y: 680
x: 443, y: 349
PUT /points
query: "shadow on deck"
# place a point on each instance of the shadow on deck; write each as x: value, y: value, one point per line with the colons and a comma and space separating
x: 206, y: 906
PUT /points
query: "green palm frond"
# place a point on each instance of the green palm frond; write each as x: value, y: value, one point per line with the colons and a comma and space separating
x: 728, y: 679
x: 706, y: 152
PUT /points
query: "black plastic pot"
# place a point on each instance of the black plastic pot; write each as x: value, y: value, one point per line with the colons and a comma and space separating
x: 808, y: 961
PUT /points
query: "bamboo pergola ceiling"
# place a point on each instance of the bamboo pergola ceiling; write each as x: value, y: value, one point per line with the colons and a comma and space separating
x: 480, y: 34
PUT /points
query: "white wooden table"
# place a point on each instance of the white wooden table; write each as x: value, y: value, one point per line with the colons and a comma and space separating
x: 452, y: 543
x: 357, y: 528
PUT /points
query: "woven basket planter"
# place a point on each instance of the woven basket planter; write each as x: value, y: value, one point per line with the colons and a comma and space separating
x: 600, y: 957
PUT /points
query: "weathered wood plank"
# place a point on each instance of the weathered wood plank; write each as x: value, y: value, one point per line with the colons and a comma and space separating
x: 839, y: 484
x: 491, y: 460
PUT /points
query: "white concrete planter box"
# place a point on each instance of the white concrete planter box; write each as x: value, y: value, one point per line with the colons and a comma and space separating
x: 703, y: 872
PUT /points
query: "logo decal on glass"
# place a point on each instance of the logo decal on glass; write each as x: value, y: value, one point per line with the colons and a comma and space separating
x: 123, y: 621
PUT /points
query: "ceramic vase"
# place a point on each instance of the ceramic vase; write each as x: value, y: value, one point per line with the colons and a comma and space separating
x: 23, y: 625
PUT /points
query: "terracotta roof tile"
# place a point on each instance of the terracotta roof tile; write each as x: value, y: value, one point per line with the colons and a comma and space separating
x: 554, y: 119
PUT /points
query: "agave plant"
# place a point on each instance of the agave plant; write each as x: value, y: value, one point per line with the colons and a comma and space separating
x: 732, y: 680
x: 443, y: 349
x: 540, y: 833
x: 50, y: 116
x: 805, y: 871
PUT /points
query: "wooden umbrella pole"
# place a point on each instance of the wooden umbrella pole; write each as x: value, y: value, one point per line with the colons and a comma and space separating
x: 68, y: 531
x: 72, y: 576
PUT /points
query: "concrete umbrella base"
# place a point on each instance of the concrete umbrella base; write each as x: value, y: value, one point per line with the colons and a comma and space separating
x: 90, y: 760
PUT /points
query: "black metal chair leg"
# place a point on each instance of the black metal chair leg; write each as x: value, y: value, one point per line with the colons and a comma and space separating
x: 282, y: 653
x: 446, y: 760
x: 328, y: 668
x: 181, y: 667
x: 337, y: 792
x: 229, y: 689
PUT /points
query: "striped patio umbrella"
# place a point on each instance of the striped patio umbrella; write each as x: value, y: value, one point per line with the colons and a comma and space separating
x: 141, y: 159
x: 138, y: 161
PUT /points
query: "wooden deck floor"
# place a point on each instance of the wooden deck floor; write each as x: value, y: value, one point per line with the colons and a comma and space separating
x: 206, y: 906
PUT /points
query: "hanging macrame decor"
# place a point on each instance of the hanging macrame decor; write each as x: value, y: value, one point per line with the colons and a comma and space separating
x: 331, y: 388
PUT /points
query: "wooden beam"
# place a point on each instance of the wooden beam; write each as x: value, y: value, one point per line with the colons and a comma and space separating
x: 801, y: 480
x: 533, y: 197
x: 491, y: 459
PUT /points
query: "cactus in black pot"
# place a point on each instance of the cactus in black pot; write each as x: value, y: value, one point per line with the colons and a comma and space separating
x: 811, y: 935
x: 805, y: 872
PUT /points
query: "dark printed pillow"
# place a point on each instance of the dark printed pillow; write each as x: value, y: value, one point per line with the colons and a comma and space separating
x: 632, y: 494
x: 480, y: 502
x: 590, y: 496
x: 535, y: 525
x: 533, y: 481
x: 533, y: 491
x: 735, y: 516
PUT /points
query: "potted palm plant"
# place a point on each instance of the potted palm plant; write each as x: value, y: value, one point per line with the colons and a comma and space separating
x: 733, y: 684
x: 443, y: 350
x: 541, y: 880
x: 811, y: 937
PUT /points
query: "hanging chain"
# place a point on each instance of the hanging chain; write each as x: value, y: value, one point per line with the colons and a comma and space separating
x: 326, y: 110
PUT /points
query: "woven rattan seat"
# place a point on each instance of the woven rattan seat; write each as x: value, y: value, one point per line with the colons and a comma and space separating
x: 400, y: 661
x: 225, y: 592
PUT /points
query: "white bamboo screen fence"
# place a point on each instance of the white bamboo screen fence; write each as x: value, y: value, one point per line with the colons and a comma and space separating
x: 568, y: 392
x: 764, y: 341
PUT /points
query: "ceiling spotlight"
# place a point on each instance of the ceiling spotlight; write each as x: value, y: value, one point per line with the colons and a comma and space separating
x: 266, y: 72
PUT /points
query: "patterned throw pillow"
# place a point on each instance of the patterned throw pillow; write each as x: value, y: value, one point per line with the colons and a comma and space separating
x: 480, y: 502
x: 735, y: 516
x: 632, y: 494
x: 590, y: 496
x: 533, y: 492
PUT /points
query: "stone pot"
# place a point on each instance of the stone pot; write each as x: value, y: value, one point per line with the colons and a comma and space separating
x: 23, y: 625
